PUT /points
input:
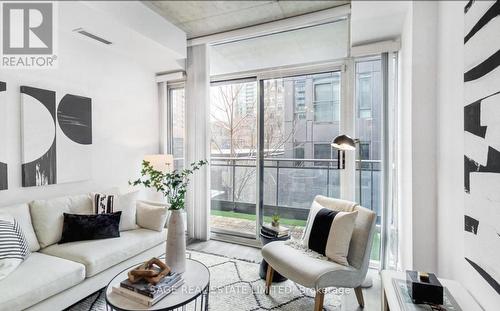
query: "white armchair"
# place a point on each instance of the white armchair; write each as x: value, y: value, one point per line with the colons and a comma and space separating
x: 320, y: 274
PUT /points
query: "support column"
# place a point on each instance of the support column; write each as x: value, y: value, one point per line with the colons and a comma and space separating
x: 198, y: 140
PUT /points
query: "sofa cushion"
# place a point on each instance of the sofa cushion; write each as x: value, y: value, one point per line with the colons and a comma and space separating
x: 99, y: 255
x: 38, y: 278
x: 21, y: 213
x: 47, y: 216
x: 320, y: 273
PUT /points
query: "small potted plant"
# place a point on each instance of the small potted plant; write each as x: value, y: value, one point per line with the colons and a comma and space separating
x: 173, y: 185
x: 275, y: 220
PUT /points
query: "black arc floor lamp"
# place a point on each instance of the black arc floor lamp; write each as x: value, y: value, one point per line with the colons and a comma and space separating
x: 343, y: 143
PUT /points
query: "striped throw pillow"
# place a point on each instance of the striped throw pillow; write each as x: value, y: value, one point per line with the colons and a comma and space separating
x: 14, y: 247
x: 103, y: 203
x: 328, y: 232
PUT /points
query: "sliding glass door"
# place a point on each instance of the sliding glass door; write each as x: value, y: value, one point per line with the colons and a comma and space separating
x: 270, y: 149
x: 233, y: 122
x: 302, y: 114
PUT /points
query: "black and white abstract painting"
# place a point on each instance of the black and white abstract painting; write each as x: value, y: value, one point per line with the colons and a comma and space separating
x: 74, y: 138
x: 4, y: 180
x: 56, y: 137
x: 482, y: 139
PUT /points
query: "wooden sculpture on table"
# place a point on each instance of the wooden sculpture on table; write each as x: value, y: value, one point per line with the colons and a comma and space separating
x: 149, y: 272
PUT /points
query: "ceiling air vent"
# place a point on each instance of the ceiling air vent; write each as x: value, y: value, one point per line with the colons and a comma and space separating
x: 85, y: 33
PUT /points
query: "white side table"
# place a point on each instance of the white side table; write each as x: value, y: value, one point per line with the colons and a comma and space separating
x: 390, y: 298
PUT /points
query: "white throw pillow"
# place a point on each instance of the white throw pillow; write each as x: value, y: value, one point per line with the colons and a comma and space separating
x: 152, y: 217
x: 329, y: 231
x: 125, y: 203
x: 47, y: 216
x: 14, y: 248
x: 339, y: 239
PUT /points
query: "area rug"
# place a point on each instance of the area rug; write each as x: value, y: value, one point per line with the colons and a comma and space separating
x: 235, y: 285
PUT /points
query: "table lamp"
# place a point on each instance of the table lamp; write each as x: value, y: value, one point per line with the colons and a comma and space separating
x: 161, y: 162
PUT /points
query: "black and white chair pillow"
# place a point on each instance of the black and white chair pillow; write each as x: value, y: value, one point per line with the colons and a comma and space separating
x: 328, y: 232
x: 14, y: 248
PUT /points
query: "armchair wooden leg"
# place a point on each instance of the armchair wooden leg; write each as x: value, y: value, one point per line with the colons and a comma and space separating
x: 269, y: 278
x: 318, y: 300
x: 359, y: 296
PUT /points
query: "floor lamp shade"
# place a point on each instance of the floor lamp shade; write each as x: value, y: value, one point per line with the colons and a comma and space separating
x: 161, y: 162
x: 344, y: 142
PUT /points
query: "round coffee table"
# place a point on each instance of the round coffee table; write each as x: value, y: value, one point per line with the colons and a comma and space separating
x: 194, y: 292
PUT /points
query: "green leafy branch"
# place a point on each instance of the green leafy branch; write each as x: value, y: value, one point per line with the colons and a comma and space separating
x: 173, y: 185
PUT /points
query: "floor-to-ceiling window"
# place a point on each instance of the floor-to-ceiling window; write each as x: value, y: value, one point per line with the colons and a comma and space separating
x: 233, y: 124
x: 177, y: 104
x: 273, y: 117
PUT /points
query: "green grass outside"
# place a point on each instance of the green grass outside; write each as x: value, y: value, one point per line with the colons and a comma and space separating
x: 375, y: 255
x: 284, y: 221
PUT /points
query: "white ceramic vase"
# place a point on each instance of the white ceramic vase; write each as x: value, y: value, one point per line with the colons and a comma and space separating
x: 176, y: 243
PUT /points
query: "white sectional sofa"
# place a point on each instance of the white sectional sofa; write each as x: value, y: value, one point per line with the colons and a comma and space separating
x: 56, y: 276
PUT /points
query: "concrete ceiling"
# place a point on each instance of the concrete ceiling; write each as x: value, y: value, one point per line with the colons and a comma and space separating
x: 377, y: 20
x: 200, y: 18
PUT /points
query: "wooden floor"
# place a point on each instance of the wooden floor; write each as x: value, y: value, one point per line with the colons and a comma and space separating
x: 371, y: 295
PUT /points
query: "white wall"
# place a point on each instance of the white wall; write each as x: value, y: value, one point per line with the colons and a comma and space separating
x: 450, y: 234
x: 125, y: 113
x: 431, y: 118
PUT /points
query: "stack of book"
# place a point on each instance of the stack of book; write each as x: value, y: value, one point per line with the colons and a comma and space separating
x: 277, y: 232
x: 146, y: 293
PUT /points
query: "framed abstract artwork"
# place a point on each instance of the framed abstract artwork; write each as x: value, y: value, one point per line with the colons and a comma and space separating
x: 482, y: 139
x: 56, y: 137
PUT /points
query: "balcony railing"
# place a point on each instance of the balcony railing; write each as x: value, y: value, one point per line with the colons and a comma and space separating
x: 290, y: 184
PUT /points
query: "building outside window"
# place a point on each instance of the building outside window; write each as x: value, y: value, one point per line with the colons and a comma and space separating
x: 327, y: 98
x: 322, y: 151
x: 365, y: 95
x: 364, y: 150
x: 300, y: 99
x: 176, y: 99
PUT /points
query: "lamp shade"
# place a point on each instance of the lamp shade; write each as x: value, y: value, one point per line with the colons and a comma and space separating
x: 161, y: 162
x: 344, y: 142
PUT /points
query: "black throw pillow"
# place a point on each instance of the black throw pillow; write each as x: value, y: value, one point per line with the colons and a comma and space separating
x: 90, y: 227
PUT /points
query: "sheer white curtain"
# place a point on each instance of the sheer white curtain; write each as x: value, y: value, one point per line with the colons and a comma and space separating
x: 198, y: 140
